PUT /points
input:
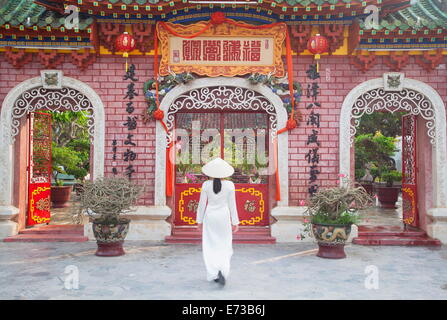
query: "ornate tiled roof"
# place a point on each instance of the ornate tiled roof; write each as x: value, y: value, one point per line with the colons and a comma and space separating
x: 422, y: 25
x: 400, y: 26
x: 26, y: 13
x: 429, y: 14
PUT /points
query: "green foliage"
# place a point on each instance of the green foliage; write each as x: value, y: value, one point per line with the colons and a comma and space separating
x: 68, y: 126
x: 359, y: 173
x: 374, y: 151
x: 346, y: 217
x: 390, y: 177
x: 70, y: 159
x: 71, y: 143
x: 390, y: 124
x: 164, y: 86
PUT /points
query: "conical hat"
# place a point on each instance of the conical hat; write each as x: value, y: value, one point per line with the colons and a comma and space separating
x: 218, y: 168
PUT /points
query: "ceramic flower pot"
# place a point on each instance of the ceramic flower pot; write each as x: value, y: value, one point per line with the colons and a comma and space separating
x: 331, y: 239
x: 388, y: 196
x: 368, y: 188
x: 110, y: 238
x: 60, y: 195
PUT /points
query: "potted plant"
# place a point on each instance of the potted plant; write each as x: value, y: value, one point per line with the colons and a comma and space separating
x: 65, y: 161
x: 104, y: 200
x: 60, y: 194
x: 332, y: 212
x: 389, y: 193
x: 70, y: 152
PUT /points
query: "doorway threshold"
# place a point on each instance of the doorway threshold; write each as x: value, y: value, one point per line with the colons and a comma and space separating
x: 245, y: 235
x: 50, y: 233
x: 372, y: 235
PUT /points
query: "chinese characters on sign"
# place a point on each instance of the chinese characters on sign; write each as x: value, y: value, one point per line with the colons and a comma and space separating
x: 128, y: 156
x: 312, y: 156
x: 223, y: 50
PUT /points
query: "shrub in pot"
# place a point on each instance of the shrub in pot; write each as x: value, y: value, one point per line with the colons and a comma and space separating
x: 332, y: 212
x: 105, y: 199
x: 60, y: 194
x: 389, y: 193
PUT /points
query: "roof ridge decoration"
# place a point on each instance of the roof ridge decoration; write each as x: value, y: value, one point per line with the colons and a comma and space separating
x: 40, y: 23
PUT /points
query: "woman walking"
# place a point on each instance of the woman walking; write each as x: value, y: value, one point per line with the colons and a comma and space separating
x: 218, y: 213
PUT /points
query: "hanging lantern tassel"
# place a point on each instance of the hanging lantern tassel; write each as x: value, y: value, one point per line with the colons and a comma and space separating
x: 126, y: 55
x: 317, y: 45
x: 125, y: 43
x: 317, y: 58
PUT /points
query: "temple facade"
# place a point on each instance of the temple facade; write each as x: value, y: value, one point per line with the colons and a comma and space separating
x: 205, y: 78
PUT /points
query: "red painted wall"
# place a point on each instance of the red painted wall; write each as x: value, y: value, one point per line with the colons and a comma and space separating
x: 105, y: 77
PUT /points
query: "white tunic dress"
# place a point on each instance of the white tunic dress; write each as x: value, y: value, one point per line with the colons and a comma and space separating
x: 214, y: 211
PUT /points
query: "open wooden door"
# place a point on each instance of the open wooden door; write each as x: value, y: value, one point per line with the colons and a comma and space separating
x: 39, y: 169
x: 213, y: 134
x: 409, y: 172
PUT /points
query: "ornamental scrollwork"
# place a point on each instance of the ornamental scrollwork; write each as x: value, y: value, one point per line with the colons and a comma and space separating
x: 394, y: 101
x: 221, y: 98
x: 56, y: 100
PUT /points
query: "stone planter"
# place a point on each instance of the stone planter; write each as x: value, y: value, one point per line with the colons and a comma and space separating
x: 331, y: 239
x: 388, y: 196
x: 60, y: 195
x: 110, y: 238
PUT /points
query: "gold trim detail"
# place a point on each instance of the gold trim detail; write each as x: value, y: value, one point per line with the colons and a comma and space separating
x: 252, y: 191
x: 34, y: 193
x: 278, y: 33
x: 410, y: 192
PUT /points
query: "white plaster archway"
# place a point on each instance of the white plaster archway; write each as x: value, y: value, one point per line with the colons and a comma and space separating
x: 281, y: 113
x: 438, y: 147
x: 7, y: 132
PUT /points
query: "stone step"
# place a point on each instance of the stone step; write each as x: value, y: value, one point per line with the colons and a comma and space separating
x: 244, y: 235
x: 46, y: 238
x: 190, y: 240
x: 393, y: 234
x: 61, y: 229
x: 396, y: 241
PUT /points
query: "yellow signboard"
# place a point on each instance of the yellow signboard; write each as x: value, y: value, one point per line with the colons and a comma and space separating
x: 222, y: 50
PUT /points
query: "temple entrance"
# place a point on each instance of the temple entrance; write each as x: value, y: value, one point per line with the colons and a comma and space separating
x: 58, y: 164
x: 40, y: 163
x: 237, y: 130
x: 389, y: 165
x: 240, y: 138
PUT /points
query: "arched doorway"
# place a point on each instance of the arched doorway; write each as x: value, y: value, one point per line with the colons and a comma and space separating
x: 32, y: 95
x: 415, y: 98
x: 221, y: 95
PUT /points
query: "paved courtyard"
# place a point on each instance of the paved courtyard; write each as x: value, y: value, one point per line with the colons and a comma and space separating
x: 152, y: 270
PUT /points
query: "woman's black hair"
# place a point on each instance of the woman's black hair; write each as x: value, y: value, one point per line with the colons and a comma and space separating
x: 217, y: 185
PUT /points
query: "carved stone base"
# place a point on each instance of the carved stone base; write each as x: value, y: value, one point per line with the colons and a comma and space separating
x: 331, y: 251
x: 7, y: 226
x: 112, y: 249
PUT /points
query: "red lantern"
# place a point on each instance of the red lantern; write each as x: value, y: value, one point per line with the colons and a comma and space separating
x: 317, y: 45
x: 125, y: 43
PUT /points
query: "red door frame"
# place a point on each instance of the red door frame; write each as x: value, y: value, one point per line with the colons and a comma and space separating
x: 39, y: 190
x: 410, y: 215
x: 249, y: 196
